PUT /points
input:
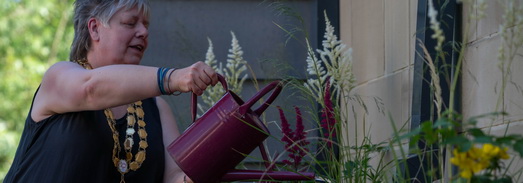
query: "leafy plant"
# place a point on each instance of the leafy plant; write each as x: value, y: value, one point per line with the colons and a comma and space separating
x: 35, y: 34
x: 296, y: 141
x: 329, y: 82
x: 479, y: 156
x: 234, y: 73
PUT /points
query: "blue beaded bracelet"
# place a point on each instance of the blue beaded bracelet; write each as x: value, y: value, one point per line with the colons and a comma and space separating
x: 162, y: 71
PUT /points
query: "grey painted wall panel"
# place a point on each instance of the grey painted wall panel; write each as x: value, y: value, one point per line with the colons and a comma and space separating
x: 178, y: 37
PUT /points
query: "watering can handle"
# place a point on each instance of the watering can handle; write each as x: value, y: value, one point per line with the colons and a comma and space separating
x: 276, y: 85
x: 195, y: 97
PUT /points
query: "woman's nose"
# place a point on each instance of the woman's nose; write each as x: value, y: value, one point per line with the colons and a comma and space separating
x: 143, y: 31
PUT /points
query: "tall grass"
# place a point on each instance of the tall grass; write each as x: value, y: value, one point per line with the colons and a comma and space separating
x: 462, y: 144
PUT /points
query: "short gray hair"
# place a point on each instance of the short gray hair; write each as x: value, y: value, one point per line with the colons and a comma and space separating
x: 102, y: 10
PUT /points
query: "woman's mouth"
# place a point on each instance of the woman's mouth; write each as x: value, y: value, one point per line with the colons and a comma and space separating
x: 138, y: 47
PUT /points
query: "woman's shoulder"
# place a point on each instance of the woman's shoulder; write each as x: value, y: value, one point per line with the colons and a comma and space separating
x: 60, y: 67
x: 52, y: 96
x: 61, y: 71
x: 64, y: 65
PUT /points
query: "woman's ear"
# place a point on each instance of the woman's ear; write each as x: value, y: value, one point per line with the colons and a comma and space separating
x: 93, y: 25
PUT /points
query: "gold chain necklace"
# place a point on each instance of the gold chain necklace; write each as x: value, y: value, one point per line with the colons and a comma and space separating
x: 135, y: 115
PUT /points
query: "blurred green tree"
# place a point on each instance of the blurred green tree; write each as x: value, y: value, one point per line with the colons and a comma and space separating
x: 34, y: 34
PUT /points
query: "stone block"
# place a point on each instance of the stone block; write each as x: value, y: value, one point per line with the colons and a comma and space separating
x: 489, y: 24
x: 397, y: 35
x: 383, y: 99
x: 481, y: 81
x: 368, y: 39
x: 346, y: 22
x: 413, y: 16
x: 469, y: 23
x: 513, y: 98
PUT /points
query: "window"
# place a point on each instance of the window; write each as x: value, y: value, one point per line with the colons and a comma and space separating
x: 449, y: 13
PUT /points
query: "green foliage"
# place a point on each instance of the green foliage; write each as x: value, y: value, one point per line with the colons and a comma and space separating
x: 465, y: 136
x: 234, y: 73
x: 480, y: 156
x: 34, y: 35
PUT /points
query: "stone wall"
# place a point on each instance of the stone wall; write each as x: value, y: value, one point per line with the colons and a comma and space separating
x: 483, y: 76
x: 381, y: 33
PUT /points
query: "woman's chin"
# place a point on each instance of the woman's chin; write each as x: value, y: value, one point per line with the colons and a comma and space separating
x: 133, y: 60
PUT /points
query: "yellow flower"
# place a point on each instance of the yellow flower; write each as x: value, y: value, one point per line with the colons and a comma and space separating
x: 465, y: 163
x: 466, y: 174
x: 490, y: 151
x: 495, y: 152
x: 477, y: 159
x: 503, y: 154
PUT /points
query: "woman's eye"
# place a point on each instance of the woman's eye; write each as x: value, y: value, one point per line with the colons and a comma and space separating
x: 129, y: 23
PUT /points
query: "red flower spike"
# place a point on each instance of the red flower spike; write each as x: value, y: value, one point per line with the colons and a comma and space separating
x: 299, y: 136
x: 287, y: 134
x: 328, y: 120
x: 296, y: 151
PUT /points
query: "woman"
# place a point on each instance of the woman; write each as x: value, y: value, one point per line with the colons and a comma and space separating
x: 99, y: 117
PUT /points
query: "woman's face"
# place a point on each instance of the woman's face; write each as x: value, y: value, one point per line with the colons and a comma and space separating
x: 125, y: 39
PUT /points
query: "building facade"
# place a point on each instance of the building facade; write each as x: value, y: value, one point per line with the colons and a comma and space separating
x: 383, y: 35
x: 392, y: 77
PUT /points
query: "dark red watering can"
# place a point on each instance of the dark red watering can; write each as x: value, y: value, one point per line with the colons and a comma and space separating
x: 211, y: 147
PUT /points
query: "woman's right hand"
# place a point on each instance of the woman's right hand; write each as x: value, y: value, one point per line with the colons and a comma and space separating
x: 194, y: 78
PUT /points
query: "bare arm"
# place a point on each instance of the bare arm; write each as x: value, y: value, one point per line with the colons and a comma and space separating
x: 173, y: 173
x: 67, y: 87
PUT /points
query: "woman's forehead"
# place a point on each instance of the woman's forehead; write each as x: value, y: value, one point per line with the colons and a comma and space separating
x: 132, y: 13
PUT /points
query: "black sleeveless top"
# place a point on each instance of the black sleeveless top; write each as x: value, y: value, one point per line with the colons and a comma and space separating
x: 77, y: 147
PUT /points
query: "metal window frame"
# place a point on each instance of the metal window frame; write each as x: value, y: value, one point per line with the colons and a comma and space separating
x: 422, y: 108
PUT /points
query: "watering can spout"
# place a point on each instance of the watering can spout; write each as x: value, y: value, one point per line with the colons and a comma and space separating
x: 242, y: 175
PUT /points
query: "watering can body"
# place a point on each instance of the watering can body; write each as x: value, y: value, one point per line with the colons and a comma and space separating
x: 210, y: 148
